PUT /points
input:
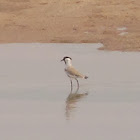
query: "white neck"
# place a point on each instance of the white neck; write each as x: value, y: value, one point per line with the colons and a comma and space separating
x: 68, y: 63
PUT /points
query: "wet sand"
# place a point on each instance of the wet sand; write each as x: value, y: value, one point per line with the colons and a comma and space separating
x: 35, y: 99
x: 75, y: 21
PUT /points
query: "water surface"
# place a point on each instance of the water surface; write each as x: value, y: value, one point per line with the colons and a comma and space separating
x: 35, y: 98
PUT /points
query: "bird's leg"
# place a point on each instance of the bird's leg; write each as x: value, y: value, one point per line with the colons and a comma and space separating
x: 71, y: 84
x: 77, y: 84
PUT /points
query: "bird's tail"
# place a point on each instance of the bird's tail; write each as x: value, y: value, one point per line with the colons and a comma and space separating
x: 85, y: 77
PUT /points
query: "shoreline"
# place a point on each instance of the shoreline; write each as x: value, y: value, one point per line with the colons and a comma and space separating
x: 114, y: 24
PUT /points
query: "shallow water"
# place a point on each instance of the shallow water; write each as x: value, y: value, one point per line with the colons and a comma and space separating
x: 35, y: 99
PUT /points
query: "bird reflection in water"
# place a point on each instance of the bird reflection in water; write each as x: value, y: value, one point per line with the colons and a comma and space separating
x: 71, y: 101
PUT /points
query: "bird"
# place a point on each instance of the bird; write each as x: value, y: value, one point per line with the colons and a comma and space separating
x: 71, y: 72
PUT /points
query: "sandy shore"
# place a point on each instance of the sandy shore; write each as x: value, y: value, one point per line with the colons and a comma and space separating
x: 113, y: 23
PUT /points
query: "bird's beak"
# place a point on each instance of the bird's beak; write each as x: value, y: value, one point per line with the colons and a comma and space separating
x: 62, y: 60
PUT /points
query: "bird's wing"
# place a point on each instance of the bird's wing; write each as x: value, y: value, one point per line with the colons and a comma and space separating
x: 72, y: 71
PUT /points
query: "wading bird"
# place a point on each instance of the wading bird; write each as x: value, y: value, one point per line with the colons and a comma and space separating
x: 71, y: 72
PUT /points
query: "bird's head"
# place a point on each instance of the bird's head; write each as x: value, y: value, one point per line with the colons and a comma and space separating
x: 66, y: 59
